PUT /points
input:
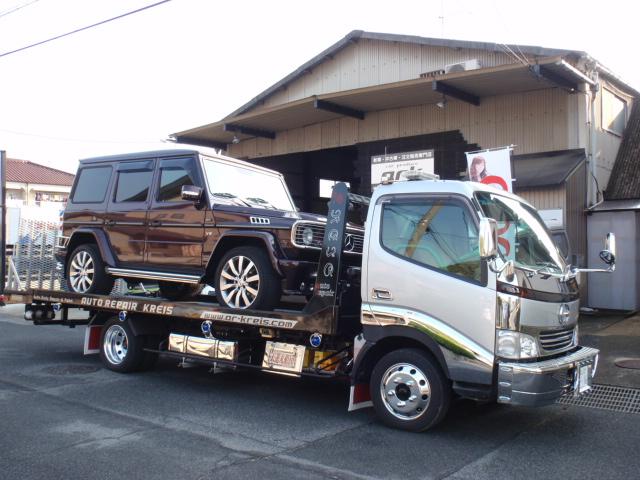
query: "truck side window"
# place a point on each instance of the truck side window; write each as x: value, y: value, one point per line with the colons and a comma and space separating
x: 437, y: 233
x: 91, y: 186
x: 174, y: 174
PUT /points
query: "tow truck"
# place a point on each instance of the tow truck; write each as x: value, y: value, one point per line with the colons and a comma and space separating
x: 461, y: 293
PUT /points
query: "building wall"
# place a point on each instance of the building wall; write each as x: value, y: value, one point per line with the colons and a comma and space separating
x: 607, y: 143
x: 373, y: 62
x: 535, y: 121
x: 619, y: 290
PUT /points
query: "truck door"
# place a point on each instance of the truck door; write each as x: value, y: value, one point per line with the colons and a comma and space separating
x: 175, y: 231
x: 126, y: 217
x: 423, y: 257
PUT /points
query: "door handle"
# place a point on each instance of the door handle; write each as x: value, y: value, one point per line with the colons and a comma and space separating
x: 110, y: 223
x: 155, y: 223
x: 382, y: 294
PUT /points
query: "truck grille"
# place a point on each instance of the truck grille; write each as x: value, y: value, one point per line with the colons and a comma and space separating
x: 354, y: 241
x: 555, y: 340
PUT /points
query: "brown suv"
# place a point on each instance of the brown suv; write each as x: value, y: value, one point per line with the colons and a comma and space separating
x: 189, y: 218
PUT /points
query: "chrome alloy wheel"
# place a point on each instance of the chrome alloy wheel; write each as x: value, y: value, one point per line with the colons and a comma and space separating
x: 239, y: 282
x: 81, y: 272
x: 405, y: 391
x: 115, y: 344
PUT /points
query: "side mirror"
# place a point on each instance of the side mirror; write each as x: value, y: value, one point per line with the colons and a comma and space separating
x: 191, y: 193
x: 608, y: 255
x: 488, y: 238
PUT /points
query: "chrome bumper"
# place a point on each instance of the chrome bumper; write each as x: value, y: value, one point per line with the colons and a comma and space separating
x: 543, y: 382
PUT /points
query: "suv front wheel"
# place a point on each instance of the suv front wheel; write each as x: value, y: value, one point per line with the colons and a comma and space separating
x: 85, y: 271
x: 245, y: 279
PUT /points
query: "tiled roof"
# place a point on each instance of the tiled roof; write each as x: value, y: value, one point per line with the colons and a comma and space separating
x: 624, y: 182
x: 23, y: 171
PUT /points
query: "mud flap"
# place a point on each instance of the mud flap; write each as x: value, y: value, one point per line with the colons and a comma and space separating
x: 359, y: 397
x: 92, y: 339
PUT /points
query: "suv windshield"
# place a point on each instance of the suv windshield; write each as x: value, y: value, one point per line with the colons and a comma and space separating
x: 246, y: 187
x: 523, y: 237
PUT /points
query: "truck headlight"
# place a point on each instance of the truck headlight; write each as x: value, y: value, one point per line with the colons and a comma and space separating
x: 516, y: 345
x: 307, y: 236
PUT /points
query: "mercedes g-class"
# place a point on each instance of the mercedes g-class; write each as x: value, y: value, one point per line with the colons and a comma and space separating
x: 189, y: 218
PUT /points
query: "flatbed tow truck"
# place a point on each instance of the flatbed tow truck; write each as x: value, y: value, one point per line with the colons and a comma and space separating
x: 429, y: 315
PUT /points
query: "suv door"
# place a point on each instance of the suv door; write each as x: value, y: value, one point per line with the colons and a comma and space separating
x: 175, y: 230
x: 126, y: 217
x: 423, y: 256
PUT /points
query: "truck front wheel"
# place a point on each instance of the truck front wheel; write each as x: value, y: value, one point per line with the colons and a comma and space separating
x: 122, y: 351
x: 409, y: 390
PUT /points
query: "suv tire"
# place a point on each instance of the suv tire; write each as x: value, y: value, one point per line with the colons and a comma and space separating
x: 409, y: 390
x: 245, y: 279
x: 85, y: 272
x: 179, y: 291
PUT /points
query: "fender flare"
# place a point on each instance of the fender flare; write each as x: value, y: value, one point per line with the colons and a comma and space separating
x: 378, y: 335
x: 101, y: 240
x: 266, y: 238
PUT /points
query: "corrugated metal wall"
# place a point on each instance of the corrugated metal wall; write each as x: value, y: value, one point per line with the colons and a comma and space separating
x: 373, y: 62
x: 534, y: 121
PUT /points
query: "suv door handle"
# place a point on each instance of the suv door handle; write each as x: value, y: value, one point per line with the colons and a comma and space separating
x: 155, y: 223
x: 110, y: 223
x: 382, y: 294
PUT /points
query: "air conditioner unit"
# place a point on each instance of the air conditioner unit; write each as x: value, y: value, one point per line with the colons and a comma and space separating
x: 463, y: 66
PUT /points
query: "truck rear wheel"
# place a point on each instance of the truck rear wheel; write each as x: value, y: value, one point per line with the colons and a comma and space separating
x: 122, y: 351
x: 409, y: 390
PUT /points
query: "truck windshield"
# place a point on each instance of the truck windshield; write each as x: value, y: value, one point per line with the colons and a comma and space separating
x: 523, y: 236
x: 246, y: 187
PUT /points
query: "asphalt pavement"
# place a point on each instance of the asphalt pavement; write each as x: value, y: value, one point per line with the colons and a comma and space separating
x: 63, y: 416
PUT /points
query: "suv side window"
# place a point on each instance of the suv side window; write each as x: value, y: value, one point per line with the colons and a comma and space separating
x: 134, y: 181
x: 91, y: 186
x: 174, y: 174
x: 437, y: 233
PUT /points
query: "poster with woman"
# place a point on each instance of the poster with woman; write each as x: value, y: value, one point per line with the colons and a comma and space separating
x: 493, y: 167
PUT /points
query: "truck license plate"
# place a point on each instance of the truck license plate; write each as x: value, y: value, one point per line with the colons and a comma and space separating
x: 585, y: 378
x: 283, y: 356
x: 582, y: 381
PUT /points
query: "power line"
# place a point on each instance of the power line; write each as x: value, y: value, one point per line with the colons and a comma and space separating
x: 15, y: 9
x: 83, y: 28
x: 82, y: 140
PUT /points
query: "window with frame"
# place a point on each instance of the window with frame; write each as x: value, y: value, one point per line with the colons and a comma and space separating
x: 91, y: 186
x: 437, y: 233
x: 174, y: 174
x: 133, y: 185
x: 614, y: 112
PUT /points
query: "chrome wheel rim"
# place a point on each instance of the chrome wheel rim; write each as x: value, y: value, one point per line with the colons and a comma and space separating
x: 239, y: 282
x: 81, y: 272
x: 405, y: 391
x: 115, y: 344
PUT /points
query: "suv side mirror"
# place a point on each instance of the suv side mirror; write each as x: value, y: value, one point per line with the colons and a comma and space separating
x: 488, y: 238
x: 608, y: 255
x: 191, y: 193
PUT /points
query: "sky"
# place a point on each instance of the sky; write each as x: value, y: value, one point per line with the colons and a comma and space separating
x: 127, y: 85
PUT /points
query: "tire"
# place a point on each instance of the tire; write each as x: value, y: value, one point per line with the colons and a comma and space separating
x: 256, y: 286
x: 179, y: 291
x: 122, y: 351
x: 85, y: 272
x: 392, y: 392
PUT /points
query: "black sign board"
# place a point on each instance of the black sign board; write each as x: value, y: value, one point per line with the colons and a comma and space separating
x: 325, y: 289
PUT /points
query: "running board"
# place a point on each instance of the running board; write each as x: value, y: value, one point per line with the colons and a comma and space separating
x: 147, y: 275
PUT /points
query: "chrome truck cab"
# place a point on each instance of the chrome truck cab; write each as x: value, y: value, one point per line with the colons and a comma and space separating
x: 469, y: 276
